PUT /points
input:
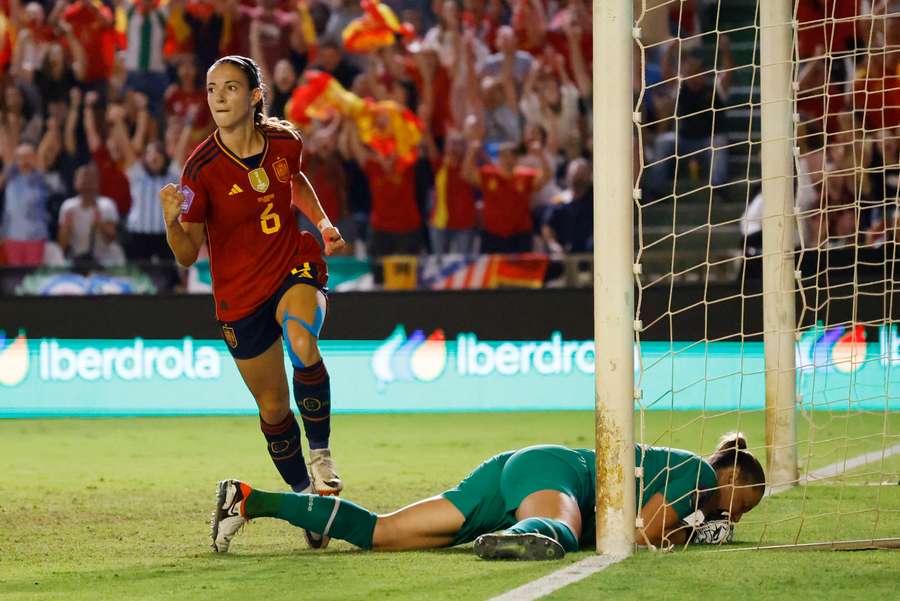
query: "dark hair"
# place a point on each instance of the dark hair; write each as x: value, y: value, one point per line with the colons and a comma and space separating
x: 253, y: 74
x: 732, y: 453
x: 161, y: 149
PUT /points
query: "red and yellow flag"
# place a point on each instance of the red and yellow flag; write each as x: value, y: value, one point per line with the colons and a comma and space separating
x: 390, y: 129
x: 375, y: 29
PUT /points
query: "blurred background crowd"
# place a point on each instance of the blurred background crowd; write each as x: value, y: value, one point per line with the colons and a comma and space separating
x: 102, y: 101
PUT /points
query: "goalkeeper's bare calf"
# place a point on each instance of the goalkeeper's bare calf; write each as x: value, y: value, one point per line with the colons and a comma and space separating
x: 534, y: 503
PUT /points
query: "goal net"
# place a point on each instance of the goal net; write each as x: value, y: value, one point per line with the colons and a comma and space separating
x: 766, y: 137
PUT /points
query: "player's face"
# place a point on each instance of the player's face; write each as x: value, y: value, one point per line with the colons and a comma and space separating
x: 229, y: 97
x: 734, y: 497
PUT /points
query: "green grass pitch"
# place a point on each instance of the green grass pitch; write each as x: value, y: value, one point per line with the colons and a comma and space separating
x: 118, y: 508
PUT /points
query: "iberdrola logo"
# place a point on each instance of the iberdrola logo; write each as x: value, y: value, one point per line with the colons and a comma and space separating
x: 13, y: 359
x: 416, y: 357
x: 841, y: 349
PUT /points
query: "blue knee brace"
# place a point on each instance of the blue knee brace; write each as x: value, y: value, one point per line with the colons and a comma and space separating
x: 313, y: 328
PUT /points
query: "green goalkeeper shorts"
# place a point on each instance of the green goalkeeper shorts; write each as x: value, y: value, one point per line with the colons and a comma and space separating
x: 491, y: 494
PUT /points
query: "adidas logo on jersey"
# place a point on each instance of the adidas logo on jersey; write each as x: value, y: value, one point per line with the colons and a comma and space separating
x: 235, y: 189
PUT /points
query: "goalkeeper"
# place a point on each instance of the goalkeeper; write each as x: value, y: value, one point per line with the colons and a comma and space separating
x: 534, y: 503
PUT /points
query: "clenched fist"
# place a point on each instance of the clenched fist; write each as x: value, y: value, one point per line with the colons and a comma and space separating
x: 171, y: 199
x: 333, y: 240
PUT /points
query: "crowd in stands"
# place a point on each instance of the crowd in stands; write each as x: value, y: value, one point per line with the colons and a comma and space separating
x: 102, y: 101
x: 848, y: 127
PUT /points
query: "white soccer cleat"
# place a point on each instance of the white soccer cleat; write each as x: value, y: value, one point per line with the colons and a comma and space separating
x: 325, y: 480
x: 228, y: 517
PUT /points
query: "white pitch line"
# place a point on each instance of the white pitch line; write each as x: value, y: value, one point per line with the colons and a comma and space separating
x: 556, y: 580
x: 839, y: 467
x: 530, y: 591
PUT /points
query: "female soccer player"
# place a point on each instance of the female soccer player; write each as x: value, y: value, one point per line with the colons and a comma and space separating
x: 268, y: 277
x: 535, y: 503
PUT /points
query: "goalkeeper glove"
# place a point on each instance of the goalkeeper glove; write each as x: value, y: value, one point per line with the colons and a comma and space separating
x: 713, y: 532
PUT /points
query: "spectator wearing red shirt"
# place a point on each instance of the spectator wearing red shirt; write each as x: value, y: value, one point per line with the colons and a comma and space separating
x: 452, y: 219
x: 186, y: 95
x: 507, y: 189
x: 529, y: 20
x: 279, y: 31
x: 823, y: 94
x: 324, y: 168
x: 827, y: 25
x: 826, y: 29
x: 33, y: 39
x: 113, y: 181
x: 877, y: 90
x: 92, y: 25
x: 570, y: 34
x: 434, y: 87
x: 395, y: 220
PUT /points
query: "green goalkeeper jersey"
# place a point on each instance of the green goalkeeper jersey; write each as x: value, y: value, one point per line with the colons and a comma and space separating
x: 490, y: 495
x: 678, y: 475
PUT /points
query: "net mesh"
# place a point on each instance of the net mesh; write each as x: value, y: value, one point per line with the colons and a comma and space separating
x: 699, y: 253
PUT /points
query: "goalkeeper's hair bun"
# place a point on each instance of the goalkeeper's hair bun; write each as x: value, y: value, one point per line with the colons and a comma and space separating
x: 732, y: 453
x: 732, y: 440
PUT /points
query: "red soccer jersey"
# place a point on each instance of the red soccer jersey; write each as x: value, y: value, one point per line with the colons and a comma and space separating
x: 252, y: 232
x: 394, y: 207
x: 113, y: 181
x: 93, y: 26
x: 506, y: 200
x: 454, y: 199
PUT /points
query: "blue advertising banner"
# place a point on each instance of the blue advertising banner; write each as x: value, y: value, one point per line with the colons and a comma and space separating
x: 838, y: 369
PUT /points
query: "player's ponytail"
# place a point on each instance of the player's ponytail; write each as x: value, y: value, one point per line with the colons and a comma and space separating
x: 732, y: 453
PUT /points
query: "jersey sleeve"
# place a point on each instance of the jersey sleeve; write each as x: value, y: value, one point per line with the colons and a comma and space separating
x: 297, y: 145
x: 686, y: 483
x: 196, y: 199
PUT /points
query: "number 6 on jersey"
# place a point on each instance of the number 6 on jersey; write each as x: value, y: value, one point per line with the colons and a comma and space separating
x: 269, y: 221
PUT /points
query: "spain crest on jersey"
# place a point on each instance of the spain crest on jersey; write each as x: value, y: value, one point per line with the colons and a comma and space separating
x: 259, y: 180
x: 230, y: 336
x: 282, y: 171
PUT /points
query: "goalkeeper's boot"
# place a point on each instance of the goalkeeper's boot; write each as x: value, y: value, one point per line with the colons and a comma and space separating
x: 326, y: 482
x: 228, y: 517
x: 530, y: 546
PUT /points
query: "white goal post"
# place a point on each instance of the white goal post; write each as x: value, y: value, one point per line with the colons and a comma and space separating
x: 614, y: 337
x: 820, y: 392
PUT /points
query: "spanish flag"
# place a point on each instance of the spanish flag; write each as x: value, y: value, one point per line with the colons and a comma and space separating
x: 320, y: 97
x: 390, y: 129
x: 375, y: 29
